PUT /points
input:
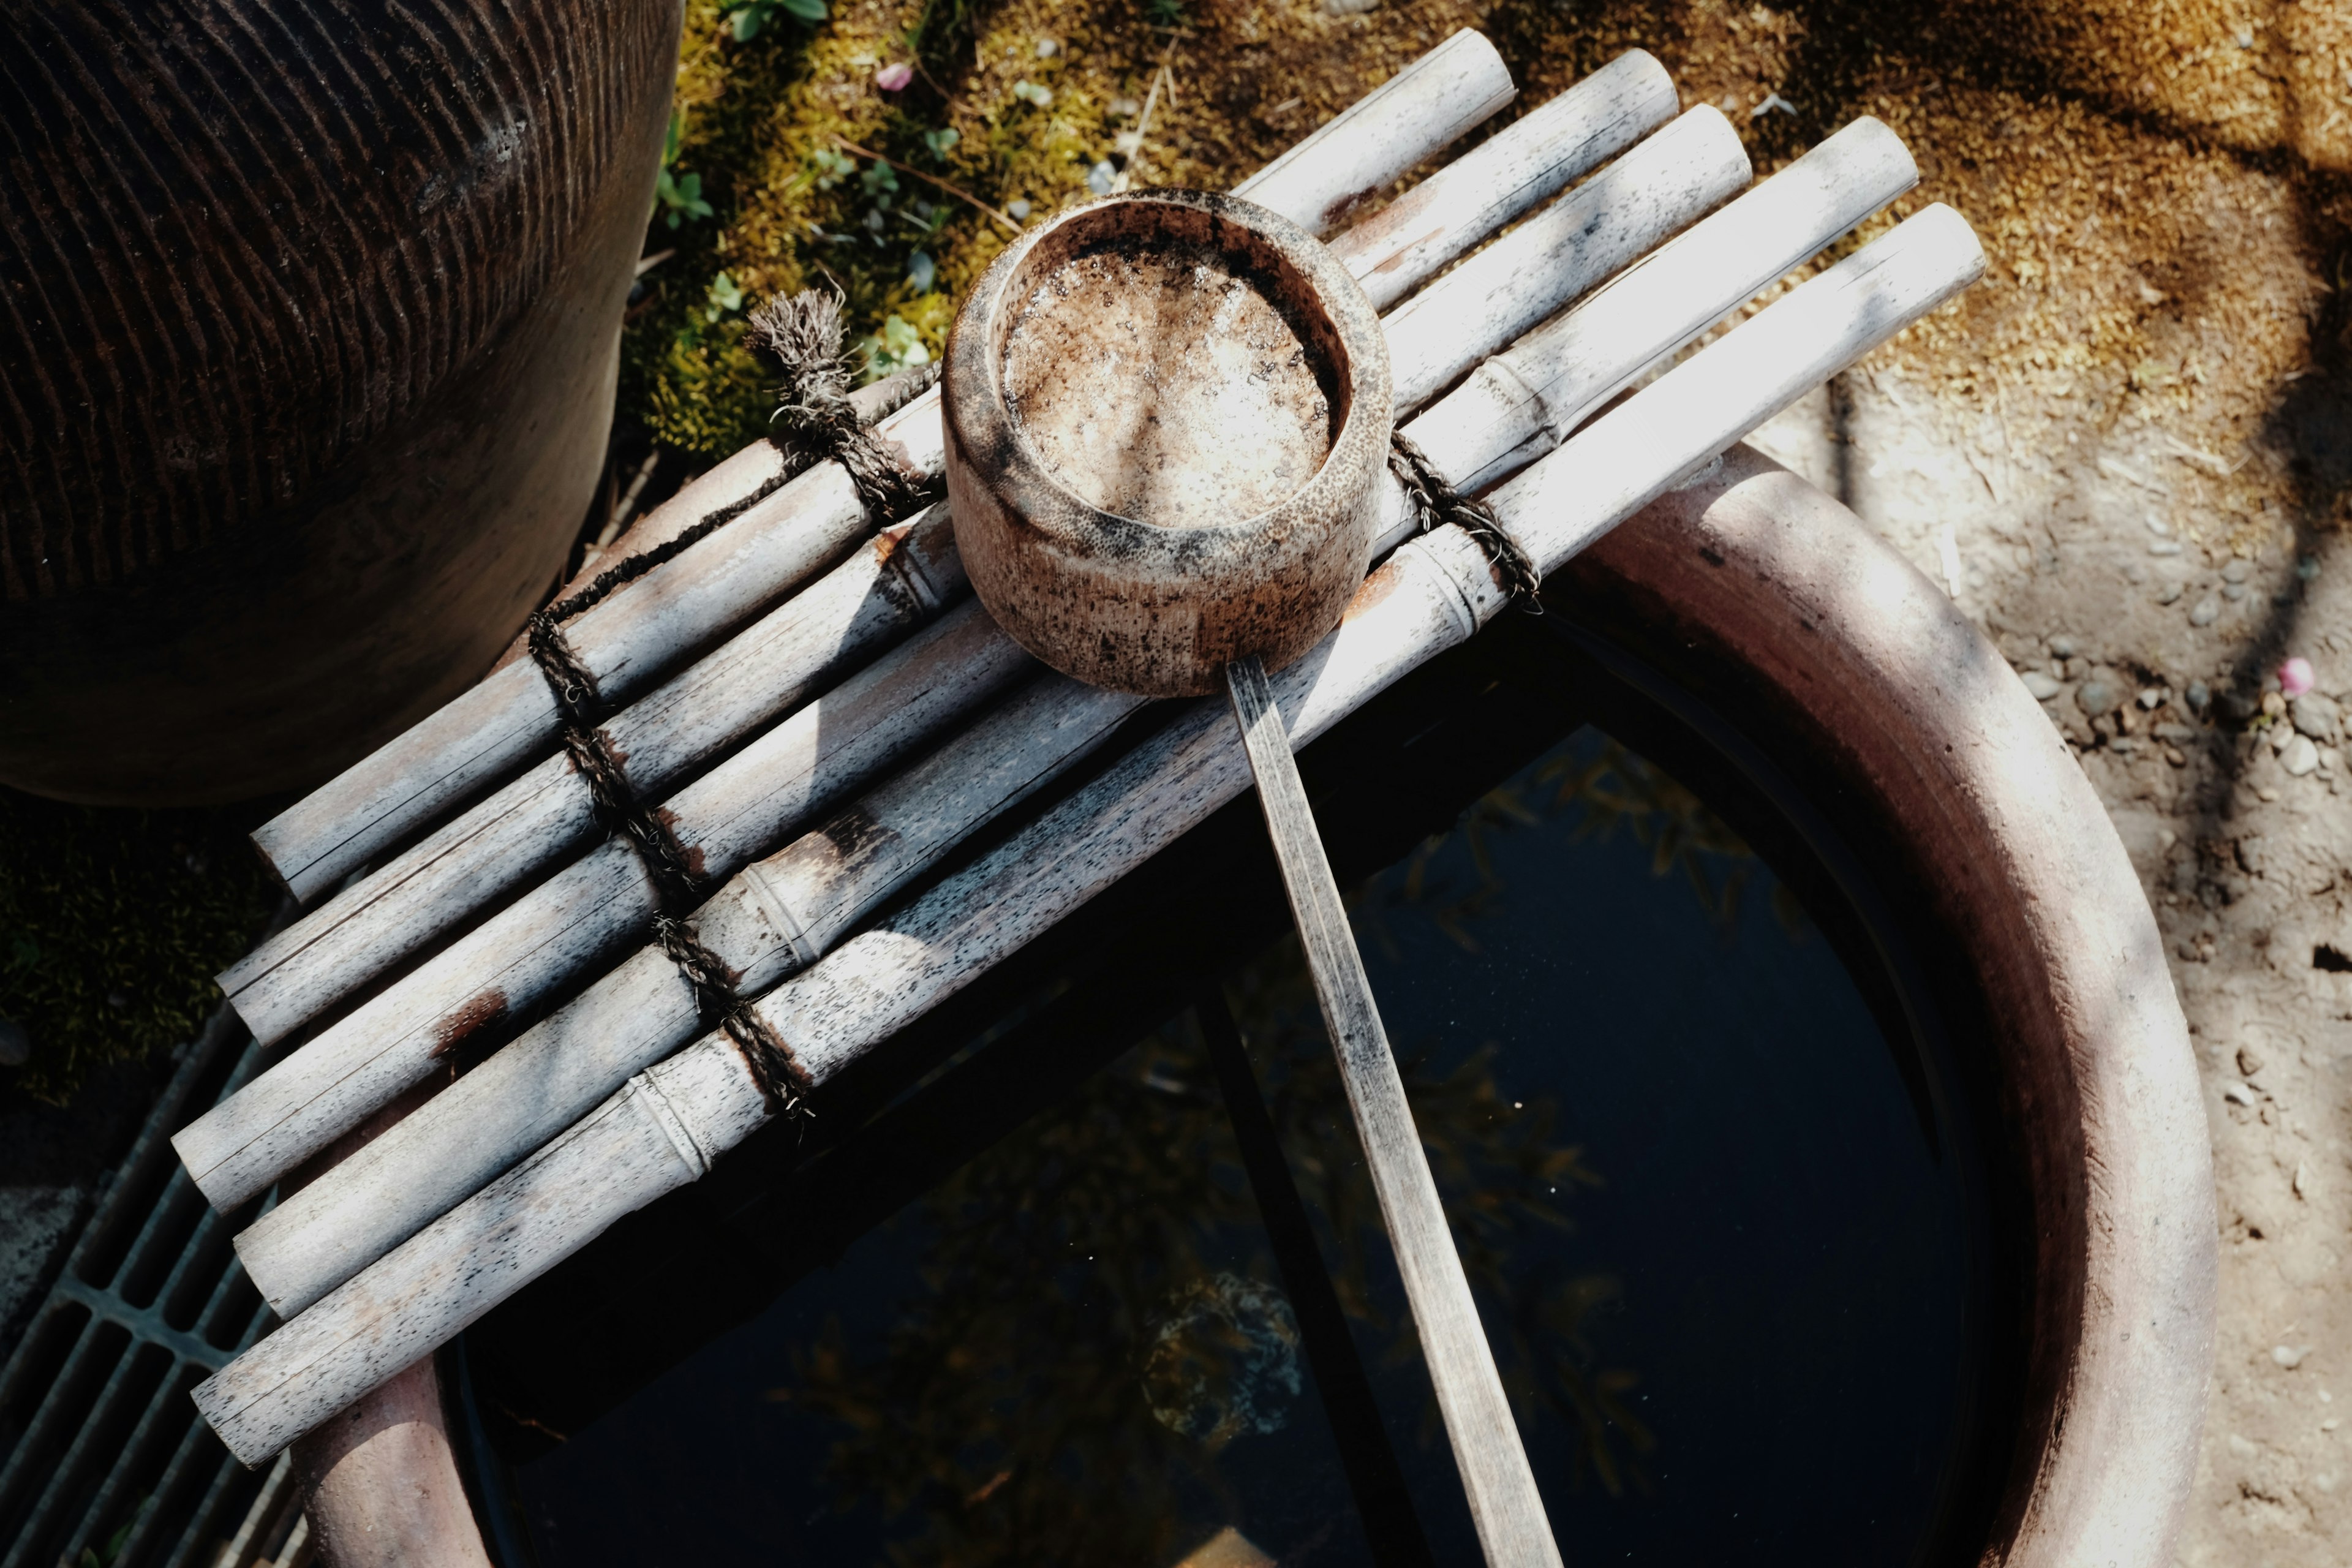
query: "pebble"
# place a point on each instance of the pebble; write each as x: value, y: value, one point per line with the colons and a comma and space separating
x: 2238, y: 1094
x: 1047, y: 48
x: 2250, y: 1061
x: 1017, y: 210
x: 2205, y: 612
x: 1101, y: 177
x: 2199, y: 696
x: 2294, y: 676
x: 15, y: 1044
x: 2062, y: 646
x: 2168, y: 593
x: 2235, y: 572
x: 2317, y: 716
x: 2233, y: 592
x: 2040, y: 685
x: 2299, y: 756
x: 2098, y: 695
x: 119, y: 998
x: 2289, y: 1356
x: 2151, y: 698
x: 2164, y: 547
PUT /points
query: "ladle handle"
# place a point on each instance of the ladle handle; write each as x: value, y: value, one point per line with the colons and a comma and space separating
x: 1504, y: 1502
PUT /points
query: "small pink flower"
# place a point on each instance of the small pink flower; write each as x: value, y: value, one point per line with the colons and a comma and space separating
x: 894, y: 77
x: 2294, y: 676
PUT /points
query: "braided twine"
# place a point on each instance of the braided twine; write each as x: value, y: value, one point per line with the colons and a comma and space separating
x: 801, y: 336
x: 1435, y: 502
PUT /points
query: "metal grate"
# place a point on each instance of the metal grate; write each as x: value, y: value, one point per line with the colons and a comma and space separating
x: 107, y: 1464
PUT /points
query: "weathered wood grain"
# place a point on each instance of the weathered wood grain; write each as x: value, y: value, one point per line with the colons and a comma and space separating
x: 1429, y: 595
x: 815, y: 888
x: 1505, y: 1506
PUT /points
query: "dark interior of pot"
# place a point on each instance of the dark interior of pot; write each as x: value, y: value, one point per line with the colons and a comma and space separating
x: 1709, y: 1113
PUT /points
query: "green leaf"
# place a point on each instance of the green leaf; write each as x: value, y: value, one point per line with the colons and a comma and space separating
x: 747, y: 22
x: 940, y: 142
x: 807, y: 10
x: 725, y: 296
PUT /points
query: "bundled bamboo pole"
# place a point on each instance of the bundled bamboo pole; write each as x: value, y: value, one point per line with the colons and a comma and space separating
x: 579, y: 916
x: 484, y: 737
x: 870, y: 598
x: 665, y: 1125
x: 780, y: 915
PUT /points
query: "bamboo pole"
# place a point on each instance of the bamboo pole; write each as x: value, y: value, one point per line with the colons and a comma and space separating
x: 1509, y: 173
x: 869, y: 600
x: 1553, y: 380
x: 1505, y: 1506
x: 1688, y: 169
x: 578, y: 915
x: 484, y: 737
x: 781, y: 914
x: 1330, y: 176
x: 663, y: 1129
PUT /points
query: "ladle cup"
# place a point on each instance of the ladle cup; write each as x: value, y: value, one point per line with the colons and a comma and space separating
x: 1168, y: 420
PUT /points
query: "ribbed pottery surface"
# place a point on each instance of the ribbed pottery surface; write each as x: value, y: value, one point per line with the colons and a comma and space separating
x: 249, y: 255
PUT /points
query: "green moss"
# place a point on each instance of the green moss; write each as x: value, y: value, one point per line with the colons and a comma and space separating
x: 112, y: 924
x: 816, y: 177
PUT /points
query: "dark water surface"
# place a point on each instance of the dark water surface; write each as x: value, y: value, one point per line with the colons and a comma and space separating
x: 1725, y: 1229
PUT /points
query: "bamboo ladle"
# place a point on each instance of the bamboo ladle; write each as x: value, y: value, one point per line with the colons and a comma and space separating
x: 1167, y: 421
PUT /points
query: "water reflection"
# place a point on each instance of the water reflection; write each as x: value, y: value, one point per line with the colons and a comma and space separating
x: 1718, y: 1262
x: 1088, y: 1241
